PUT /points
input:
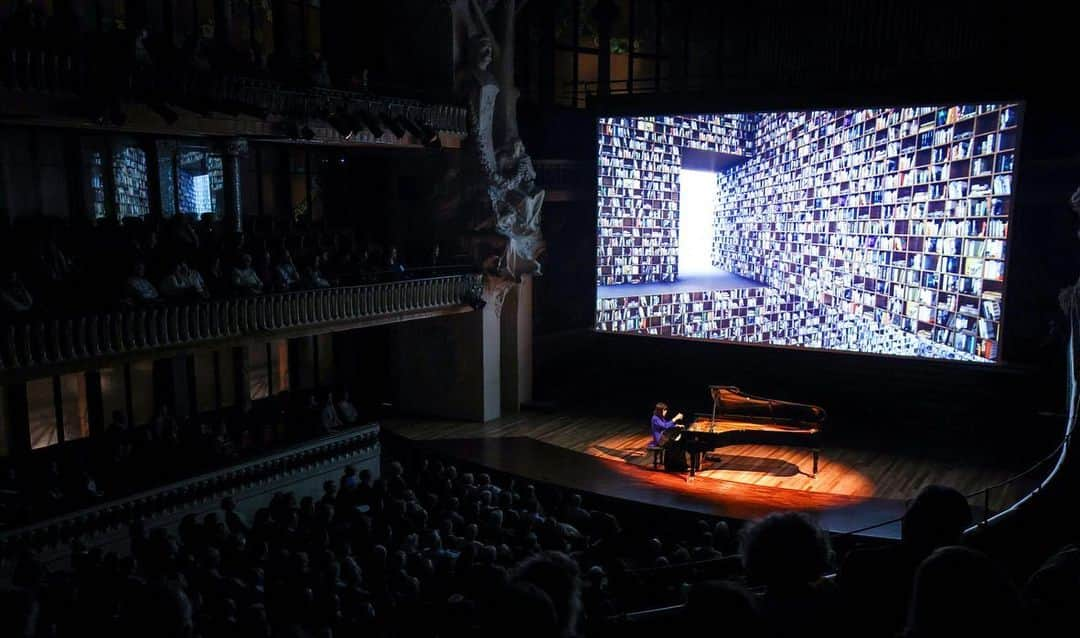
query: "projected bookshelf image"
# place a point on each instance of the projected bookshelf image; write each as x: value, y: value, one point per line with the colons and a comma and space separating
x: 873, y: 230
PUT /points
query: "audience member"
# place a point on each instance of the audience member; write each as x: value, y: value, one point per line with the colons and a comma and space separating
x: 346, y: 410
x: 313, y: 276
x: 138, y: 288
x: 730, y: 604
x: 14, y: 295
x: 876, y: 583
x: 329, y: 418
x: 556, y: 575
x: 959, y: 592
x: 244, y: 279
x: 1052, y: 590
x: 287, y: 275
x: 789, y: 554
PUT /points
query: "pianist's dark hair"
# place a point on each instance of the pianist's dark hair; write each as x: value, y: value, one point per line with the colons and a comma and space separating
x: 660, y: 407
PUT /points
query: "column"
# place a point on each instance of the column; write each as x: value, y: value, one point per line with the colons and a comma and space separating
x: 449, y: 366
x: 171, y: 385
x: 605, y: 13
x: 233, y: 151
x: 242, y: 386
x: 515, y: 345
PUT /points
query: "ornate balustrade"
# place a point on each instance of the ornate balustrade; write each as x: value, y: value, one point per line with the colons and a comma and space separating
x: 131, y: 331
x: 304, y: 466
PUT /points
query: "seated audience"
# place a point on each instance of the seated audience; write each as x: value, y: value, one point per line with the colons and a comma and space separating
x: 14, y: 296
x: 555, y: 574
x: 184, y: 283
x: 393, y: 261
x: 960, y: 592
x: 313, y: 276
x: 346, y: 410
x: 876, y: 583
x: 287, y: 275
x: 244, y: 279
x: 138, y: 288
x: 789, y: 554
x: 1052, y: 591
x: 726, y: 602
x: 329, y: 417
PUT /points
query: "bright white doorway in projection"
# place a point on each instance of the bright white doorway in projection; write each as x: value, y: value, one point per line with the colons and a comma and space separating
x: 697, y: 201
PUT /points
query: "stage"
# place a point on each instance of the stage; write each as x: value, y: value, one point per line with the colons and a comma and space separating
x: 855, y: 487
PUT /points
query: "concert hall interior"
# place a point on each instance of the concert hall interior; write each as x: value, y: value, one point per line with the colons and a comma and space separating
x: 561, y: 318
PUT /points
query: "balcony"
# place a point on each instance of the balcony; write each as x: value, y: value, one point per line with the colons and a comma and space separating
x: 92, y: 88
x: 301, y: 468
x: 37, y: 347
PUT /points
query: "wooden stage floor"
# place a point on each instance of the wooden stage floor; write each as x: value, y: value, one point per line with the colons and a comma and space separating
x: 855, y: 487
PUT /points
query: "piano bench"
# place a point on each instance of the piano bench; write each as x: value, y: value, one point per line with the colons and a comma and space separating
x: 657, y: 455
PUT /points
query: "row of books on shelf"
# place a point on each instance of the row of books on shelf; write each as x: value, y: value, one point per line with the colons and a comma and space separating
x: 669, y: 144
x: 640, y: 219
x: 741, y: 229
x: 866, y: 163
x: 627, y: 252
x: 630, y: 207
x: 677, y: 131
x: 609, y: 174
x: 782, y: 125
x: 621, y: 278
x: 636, y: 261
x: 847, y: 260
x: 642, y: 159
x: 868, y: 232
x: 784, y: 215
x: 640, y: 190
x: 655, y: 242
x: 866, y: 190
x: 913, y: 237
x: 635, y: 232
x: 979, y: 203
x: 887, y: 173
x: 918, y: 254
x: 737, y: 123
x: 846, y: 327
x: 940, y: 145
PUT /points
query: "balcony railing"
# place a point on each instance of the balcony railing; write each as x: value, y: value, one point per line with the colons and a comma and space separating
x: 131, y: 331
x: 92, y: 74
x: 166, y: 505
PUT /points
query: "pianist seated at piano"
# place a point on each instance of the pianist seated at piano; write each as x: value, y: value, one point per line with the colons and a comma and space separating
x: 660, y: 424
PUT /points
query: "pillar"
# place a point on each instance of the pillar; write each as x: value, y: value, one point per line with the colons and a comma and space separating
x: 515, y: 344
x: 242, y: 385
x: 233, y: 217
x: 171, y: 385
x: 449, y: 366
x: 605, y: 13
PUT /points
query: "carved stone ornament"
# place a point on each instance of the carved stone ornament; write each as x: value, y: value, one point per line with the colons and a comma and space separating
x: 502, y: 170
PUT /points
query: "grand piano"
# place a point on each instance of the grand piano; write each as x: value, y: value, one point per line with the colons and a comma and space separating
x: 739, y: 418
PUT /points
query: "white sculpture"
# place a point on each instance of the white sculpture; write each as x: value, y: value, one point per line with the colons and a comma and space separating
x: 513, y: 201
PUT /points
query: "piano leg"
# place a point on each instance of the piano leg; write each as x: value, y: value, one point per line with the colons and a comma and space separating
x: 816, y: 451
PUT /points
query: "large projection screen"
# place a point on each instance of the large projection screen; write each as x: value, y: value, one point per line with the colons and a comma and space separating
x: 877, y: 230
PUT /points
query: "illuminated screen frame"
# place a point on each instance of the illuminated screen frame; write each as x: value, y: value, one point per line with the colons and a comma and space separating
x: 710, y: 142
